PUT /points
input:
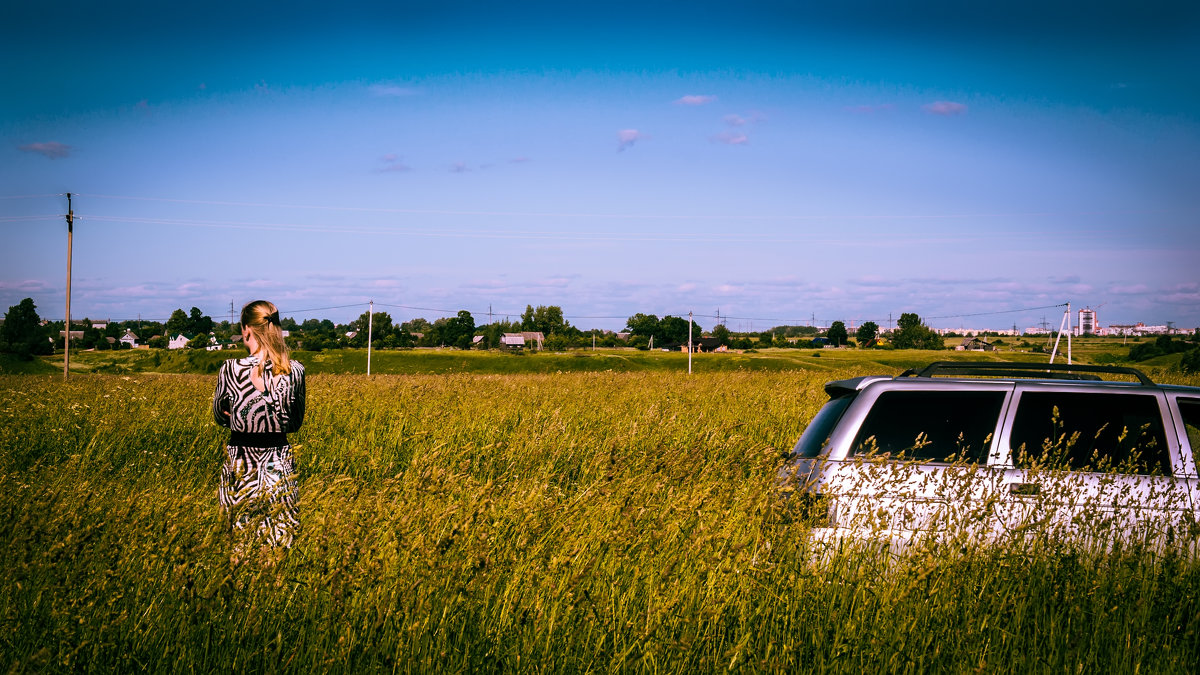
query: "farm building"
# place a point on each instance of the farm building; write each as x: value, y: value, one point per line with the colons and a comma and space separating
x: 975, y: 344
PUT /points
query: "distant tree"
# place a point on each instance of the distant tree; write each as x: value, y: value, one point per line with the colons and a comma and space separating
x: 912, y: 334
x: 837, y: 334
x: 544, y: 319
x: 639, y: 342
x: 178, y: 323
x: 908, y: 320
x: 794, y: 331
x: 379, y: 325
x: 157, y: 342
x: 644, y: 325
x: 22, y: 333
x: 199, y: 323
x: 866, y: 332
x: 459, y: 330
x: 674, y: 330
x: 288, y: 324
x: 417, y: 325
x: 1191, y: 361
x: 199, y: 342
x: 721, y: 333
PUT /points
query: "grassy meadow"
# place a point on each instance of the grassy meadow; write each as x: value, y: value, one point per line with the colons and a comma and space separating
x: 448, y: 361
x: 582, y: 520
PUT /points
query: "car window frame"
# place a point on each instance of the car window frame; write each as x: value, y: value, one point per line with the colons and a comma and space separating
x: 1187, y: 466
x: 1170, y: 428
x: 842, y: 440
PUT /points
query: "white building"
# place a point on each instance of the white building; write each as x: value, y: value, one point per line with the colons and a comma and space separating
x: 1088, y: 322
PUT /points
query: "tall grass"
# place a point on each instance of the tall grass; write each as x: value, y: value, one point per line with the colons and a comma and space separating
x: 574, y: 522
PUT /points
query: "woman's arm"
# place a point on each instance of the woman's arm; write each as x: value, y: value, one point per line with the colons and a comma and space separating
x: 222, y: 401
x: 296, y: 400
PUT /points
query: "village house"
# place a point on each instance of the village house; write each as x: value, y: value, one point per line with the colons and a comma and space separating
x: 975, y: 344
x: 702, y: 345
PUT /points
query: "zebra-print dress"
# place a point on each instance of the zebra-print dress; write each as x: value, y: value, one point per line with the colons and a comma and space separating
x: 258, y: 486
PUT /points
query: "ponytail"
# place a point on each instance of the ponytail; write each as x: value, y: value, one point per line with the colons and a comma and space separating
x: 262, y: 318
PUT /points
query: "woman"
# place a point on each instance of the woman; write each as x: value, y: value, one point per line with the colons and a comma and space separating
x: 261, y: 399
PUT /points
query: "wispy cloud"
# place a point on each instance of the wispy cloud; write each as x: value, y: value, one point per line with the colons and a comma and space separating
x: 735, y: 120
x: 51, y: 149
x: 695, y: 99
x: 392, y: 90
x: 627, y: 137
x: 1129, y: 289
x: 945, y: 108
x: 392, y: 163
x: 731, y: 138
x: 459, y: 167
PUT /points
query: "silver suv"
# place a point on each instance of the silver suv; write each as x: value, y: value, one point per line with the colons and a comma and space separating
x: 996, y: 451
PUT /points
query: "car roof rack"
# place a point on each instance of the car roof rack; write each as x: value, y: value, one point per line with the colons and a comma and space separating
x: 1058, y: 371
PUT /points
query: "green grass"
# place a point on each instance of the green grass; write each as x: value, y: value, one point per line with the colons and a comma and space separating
x: 582, y: 521
x: 438, y: 362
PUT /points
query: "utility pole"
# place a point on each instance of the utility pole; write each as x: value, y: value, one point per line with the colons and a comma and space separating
x: 370, y: 326
x: 689, y: 343
x: 67, y: 327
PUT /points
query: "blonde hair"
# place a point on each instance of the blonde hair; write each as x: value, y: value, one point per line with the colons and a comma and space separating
x: 262, y: 318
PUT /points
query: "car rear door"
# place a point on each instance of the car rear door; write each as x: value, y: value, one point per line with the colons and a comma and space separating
x: 919, y: 461
x: 1091, y: 464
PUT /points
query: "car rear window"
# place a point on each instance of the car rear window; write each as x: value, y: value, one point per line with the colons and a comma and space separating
x: 1090, y: 431
x: 812, y: 441
x: 932, y: 426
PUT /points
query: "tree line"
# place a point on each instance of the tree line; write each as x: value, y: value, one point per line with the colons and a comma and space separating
x: 24, y: 333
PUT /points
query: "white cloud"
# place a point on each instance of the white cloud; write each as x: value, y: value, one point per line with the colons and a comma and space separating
x: 945, y: 108
x: 695, y: 99
x: 627, y: 137
x: 51, y: 149
x: 731, y: 138
x: 392, y: 163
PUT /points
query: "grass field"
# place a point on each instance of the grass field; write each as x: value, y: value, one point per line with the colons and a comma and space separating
x: 437, y: 362
x: 574, y: 521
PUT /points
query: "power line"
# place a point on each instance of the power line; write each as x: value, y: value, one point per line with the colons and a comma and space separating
x: 1004, y: 311
x: 740, y: 217
x: 18, y: 219
x: 707, y: 237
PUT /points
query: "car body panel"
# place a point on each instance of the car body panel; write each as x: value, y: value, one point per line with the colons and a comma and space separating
x: 877, y: 491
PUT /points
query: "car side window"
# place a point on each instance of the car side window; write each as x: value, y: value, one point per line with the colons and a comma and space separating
x: 933, y: 426
x: 1189, y: 410
x: 1089, y: 431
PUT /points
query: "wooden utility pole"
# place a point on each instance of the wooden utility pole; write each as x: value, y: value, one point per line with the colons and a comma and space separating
x: 370, y: 329
x: 67, y: 327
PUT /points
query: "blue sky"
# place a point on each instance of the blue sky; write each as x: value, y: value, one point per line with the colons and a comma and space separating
x: 775, y: 161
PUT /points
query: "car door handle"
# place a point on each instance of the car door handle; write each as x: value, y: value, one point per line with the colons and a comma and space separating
x: 1024, y: 489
